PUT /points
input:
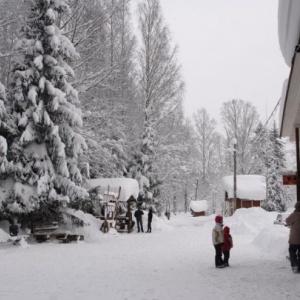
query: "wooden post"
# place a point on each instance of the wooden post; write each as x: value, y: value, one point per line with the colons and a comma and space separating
x: 196, y: 189
x: 298, y: 163
x: 129, y: 215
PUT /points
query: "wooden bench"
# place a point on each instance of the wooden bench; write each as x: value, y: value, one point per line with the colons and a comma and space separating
x: 45, y: 233
x: 71, y: 238
x: 42, y: 233
x: 60, y: 236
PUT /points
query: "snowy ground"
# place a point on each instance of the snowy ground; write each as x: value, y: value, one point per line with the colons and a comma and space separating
x: 175, y: 261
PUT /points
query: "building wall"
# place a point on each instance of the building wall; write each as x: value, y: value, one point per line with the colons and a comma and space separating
x: 198, y: 214
x: 247, y: 203
x: 241, y: 204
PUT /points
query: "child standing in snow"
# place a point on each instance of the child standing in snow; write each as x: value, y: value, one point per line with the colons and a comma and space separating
x: 218, y: 240
x: 228, y: 244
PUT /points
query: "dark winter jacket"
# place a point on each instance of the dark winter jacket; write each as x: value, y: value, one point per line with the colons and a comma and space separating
x: 293, y: 220
x: 138, y: 214
x: 150, y: 216
x: 228, y: 243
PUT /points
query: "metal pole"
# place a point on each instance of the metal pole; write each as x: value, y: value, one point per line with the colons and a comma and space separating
x: 234, y: 178
x: 196, y: 190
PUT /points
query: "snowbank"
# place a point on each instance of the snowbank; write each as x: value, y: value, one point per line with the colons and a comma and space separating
x: 273, y: 238
x: 250, y: 221
x: 4, y: 236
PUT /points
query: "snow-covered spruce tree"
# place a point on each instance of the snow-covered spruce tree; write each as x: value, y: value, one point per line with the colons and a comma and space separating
x: 7, y: 131
x: 259, y: 150
x: 277, y: 197
x: 43, y: 103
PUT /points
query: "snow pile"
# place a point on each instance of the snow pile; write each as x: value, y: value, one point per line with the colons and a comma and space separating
x: 250, y: 221
x: 90, y: 228
x: 160, y: 223
x: 273, y: 238
x: 4, y: 236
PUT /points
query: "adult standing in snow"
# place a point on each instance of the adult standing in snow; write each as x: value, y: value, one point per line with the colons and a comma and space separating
x: 293, y: 220
x: 218, y: 241
x: 139, y: 219
x: 129, y: 221
x: 150, y: 216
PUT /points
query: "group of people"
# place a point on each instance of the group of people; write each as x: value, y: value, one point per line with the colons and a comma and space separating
x: 139, y: 219
x: 222, y: 240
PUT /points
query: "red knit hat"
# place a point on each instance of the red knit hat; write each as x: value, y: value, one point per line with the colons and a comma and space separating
x: 226, y: 229
x: 219, y: 219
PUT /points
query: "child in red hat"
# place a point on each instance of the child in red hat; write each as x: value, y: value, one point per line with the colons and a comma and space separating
x: 228, y: 244
x: 218, y: 240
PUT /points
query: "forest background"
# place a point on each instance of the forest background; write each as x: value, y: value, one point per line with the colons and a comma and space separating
x: 126, y: 114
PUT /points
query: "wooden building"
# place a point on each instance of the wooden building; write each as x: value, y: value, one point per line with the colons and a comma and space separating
x: 198, y: 208
x: 250, y: 192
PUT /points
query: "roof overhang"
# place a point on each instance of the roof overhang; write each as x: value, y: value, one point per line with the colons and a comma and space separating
x: 291, y: 108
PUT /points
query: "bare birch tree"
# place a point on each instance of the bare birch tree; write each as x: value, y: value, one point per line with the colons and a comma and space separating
x: 161, y: 89
x: 240, y: 120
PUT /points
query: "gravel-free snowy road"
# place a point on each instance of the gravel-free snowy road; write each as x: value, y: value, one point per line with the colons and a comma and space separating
x: 173, y: 263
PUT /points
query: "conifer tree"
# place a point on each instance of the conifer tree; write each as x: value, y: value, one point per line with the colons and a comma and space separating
x: 43, y: 103
x: 275, y: 161
x: 259, y: 150
x: 7, y: 130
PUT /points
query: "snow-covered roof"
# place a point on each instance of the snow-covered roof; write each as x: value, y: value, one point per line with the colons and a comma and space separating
x: 288, y: 27
x: 199, y: 205
x: 247, y: 186
x: 129, y: 186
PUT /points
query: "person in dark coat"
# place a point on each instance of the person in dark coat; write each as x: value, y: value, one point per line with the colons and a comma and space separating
x: 129, y: 221
x: 293, y: 220
x: 150, y: 216
x: 139, y: 219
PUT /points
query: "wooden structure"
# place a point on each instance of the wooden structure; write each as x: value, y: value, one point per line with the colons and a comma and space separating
x: 198, y: 208
x: 250, y: 191
x: 117, y: 196
x: 52, y: 232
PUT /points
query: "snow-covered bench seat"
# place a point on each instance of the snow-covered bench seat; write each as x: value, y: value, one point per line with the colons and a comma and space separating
x: 63, y: 237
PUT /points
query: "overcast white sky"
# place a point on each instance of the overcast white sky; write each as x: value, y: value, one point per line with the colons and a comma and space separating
x: 228, y: 49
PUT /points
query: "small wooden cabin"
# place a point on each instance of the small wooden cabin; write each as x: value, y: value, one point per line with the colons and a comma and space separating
x: 198, y: 208
x: 250, y: 192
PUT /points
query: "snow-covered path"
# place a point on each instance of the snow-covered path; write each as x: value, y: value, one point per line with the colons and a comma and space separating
x: 177, y: 263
